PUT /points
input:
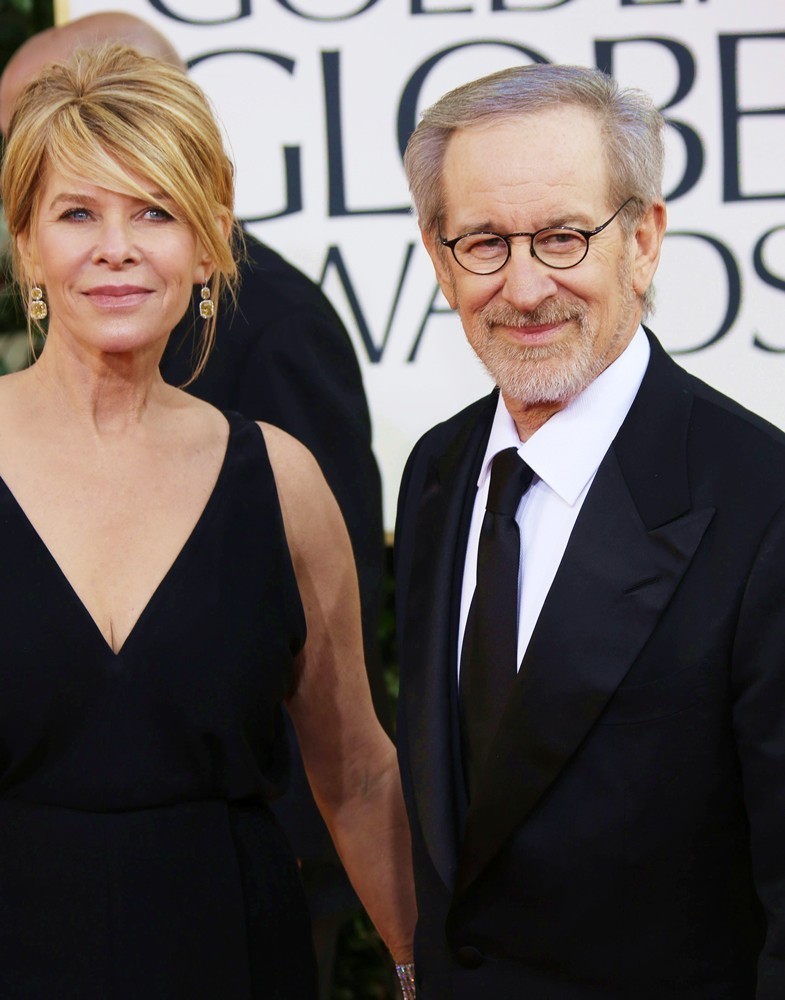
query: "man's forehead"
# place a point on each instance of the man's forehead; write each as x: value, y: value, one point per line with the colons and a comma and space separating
x: 568, y: 126
x: 26, y: 63
x: 544, y: 163
x: 11, y: 82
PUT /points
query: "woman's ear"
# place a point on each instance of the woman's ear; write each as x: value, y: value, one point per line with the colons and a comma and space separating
x: 27, y: 257
x: 225, y: 221
x: 206, y: 265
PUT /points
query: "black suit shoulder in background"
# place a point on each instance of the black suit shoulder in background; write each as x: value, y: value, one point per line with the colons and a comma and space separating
x: 283, y: 356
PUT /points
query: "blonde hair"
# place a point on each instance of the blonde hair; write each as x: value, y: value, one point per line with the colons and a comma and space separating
x: 112, y: 115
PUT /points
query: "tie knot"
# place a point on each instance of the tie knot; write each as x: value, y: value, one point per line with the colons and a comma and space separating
x: 510, y: 478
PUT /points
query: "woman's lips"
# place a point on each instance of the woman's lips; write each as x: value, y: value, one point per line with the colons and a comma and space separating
x: 117, y: 296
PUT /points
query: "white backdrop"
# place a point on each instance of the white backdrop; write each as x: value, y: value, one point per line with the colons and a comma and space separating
x: 317, y: 98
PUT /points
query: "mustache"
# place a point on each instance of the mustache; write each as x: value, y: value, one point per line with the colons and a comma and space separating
x: 543, y: 315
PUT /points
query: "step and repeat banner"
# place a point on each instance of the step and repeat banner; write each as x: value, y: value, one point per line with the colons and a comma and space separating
x: 318, y: 97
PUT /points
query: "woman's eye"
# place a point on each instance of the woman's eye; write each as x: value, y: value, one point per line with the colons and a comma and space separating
x: 158, y: 214
x: 77, y: 214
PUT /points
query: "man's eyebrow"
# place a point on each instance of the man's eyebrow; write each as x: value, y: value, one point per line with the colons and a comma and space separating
x: 480, y: 227
x: 564, y: 220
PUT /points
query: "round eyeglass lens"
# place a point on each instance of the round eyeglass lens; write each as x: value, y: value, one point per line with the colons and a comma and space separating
x: 482, y: 253
x: 560, y: 247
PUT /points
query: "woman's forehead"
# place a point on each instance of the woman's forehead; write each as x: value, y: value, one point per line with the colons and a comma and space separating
x: 107, y: 172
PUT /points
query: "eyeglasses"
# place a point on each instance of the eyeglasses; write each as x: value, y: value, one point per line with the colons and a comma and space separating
x: 561, y: 247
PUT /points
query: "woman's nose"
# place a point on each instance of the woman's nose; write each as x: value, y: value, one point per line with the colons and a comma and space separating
x: 116, y: 245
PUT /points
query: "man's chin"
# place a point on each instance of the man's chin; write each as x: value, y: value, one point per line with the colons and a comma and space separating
x: 539, y: 397
x: 535, y: 382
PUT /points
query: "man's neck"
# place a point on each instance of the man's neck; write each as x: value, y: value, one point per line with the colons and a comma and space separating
x: 529, y: 417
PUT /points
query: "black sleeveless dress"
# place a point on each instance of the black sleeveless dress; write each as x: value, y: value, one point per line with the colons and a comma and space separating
x: 138, y: 856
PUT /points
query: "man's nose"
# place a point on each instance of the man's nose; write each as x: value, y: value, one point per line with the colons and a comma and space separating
x: 527, y: 281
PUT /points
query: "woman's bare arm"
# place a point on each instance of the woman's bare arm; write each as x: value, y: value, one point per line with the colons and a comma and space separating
x: 350, y: 761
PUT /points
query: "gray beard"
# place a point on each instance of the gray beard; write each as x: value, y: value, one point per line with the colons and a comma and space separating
x: 553, y: 373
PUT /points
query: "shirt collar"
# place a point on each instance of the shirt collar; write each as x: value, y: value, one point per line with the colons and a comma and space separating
x: 567, y: 450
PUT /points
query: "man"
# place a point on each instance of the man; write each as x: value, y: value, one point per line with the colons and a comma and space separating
x: 281, y: 355
x: 594, y: 763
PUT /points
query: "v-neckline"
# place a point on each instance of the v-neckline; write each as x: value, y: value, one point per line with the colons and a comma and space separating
x: 170, y: 570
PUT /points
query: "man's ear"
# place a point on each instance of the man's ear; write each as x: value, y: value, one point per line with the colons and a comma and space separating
x: 648, y: 243
x: 441, y: 264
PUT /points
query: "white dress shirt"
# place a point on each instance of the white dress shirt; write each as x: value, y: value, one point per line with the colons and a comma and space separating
x: 565, y: 454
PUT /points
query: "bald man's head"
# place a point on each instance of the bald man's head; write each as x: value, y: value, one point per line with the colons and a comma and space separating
x: 57, y: 45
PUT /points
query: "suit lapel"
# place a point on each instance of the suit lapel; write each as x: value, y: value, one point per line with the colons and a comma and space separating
x: 632, y: 543
x: 431, y: 608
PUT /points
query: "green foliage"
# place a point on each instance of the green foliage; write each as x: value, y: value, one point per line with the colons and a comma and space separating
x: 18, y: 20
x: 389, y: 649
x: 13, y: 338
x: 363, y: 968
x: 11, y: 317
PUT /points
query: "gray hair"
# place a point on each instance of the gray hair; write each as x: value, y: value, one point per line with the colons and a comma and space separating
x: 631, y: 129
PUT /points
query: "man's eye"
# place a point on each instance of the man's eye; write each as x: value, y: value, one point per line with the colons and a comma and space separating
x: 484, y: 246
x: 560, y: 241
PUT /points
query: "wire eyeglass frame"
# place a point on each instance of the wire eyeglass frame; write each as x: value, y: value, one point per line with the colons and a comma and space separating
x: 537, y: 238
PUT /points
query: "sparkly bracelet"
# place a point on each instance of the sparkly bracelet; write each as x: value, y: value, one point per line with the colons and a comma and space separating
x: 406, y: 979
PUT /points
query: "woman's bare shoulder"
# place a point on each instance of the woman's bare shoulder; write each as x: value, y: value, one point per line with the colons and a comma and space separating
x: 309, y: 508
x: 293, y: 464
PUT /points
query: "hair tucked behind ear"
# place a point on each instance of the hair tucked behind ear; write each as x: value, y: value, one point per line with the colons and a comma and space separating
x: 114, y: 117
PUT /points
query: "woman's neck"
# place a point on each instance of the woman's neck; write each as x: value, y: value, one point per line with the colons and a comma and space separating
x: 107, y: 392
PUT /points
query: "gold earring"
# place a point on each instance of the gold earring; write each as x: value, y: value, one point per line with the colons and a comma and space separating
x: 38, y: 309
x: 206, y: 306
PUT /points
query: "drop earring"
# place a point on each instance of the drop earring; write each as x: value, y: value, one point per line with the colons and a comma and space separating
x: 206, y: 306
x: 38, y: 309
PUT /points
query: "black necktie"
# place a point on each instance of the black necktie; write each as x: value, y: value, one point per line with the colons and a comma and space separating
x: 490, y: 643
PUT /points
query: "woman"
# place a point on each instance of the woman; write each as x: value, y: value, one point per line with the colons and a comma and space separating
x: 188, y: 572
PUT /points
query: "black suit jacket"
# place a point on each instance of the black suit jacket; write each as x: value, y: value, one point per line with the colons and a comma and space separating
x: 283, y: 356
x: 628, y: 840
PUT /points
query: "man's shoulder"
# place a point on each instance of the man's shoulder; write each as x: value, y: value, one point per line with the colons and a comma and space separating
x: 444, y: 455
x: 280, y: 311
x: 261, y: 259
x: 716, y: 414
x: 277, y: 284
x: 723, y: 441
x: 447, y: 445
x: 733, y: 417
x: 445, y: 434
